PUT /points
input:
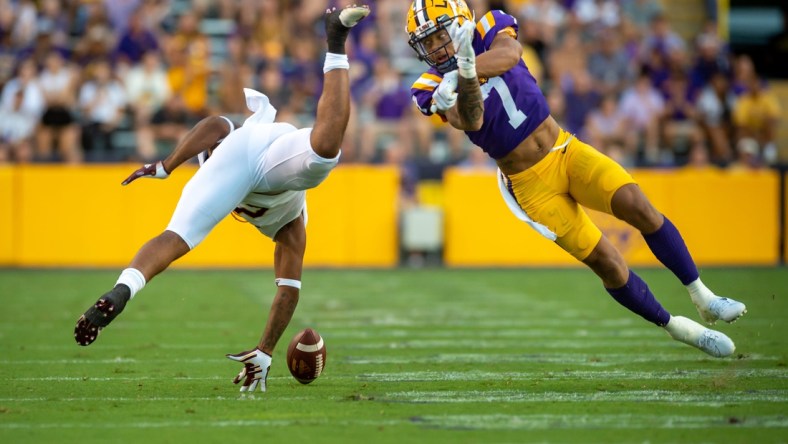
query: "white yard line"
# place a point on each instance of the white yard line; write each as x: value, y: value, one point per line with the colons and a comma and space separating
x: 470, y: 422
x: 669, y: 396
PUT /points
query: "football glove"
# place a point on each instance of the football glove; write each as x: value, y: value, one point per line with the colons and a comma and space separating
x: 151, y: 170
x: 255, y: 371
x: 462, y: 38
x: 445, y: 95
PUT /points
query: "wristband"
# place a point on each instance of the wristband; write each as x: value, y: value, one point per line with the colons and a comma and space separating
x: 335, y: 61
x: 161, y: 173
x: 466, y: 67
x: 288, y: 283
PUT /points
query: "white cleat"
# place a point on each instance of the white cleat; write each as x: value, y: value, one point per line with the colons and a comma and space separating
x: 718, y: 308
x: 351, y: 15
x: 690, y: 332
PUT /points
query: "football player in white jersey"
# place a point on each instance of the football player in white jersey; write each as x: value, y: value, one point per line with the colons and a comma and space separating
x: 260, y: 171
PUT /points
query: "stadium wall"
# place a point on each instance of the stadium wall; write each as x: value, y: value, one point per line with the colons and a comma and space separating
x: 55, y: 216
x: 726, y: 218
x: 60, y: 216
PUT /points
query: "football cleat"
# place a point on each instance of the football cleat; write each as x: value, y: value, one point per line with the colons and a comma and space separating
x: 718, y: 308
x: 690, y: 332
x: 107, y: 308
x: 347, y: 17
x: 338, y: 24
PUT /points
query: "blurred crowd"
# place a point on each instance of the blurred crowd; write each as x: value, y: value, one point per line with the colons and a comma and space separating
x: 123, y: 80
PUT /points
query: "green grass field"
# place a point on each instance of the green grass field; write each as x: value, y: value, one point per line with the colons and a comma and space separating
x: 434, y: 356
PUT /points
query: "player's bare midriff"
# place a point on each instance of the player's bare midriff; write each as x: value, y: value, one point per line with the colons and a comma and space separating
x: 531, y: 150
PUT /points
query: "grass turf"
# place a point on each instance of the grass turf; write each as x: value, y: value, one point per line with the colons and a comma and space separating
x: 413, y: 356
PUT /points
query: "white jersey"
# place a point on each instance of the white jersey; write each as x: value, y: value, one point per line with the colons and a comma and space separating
x: 261, y: 170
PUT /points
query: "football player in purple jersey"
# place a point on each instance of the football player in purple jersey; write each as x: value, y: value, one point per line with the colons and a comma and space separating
x: 260, y: 172
x: 478, y: 82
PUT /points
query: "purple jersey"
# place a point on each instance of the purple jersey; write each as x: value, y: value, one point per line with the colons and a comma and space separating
x: 514, y: 106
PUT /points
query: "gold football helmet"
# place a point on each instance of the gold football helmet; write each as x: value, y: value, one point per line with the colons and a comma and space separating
x: 427, y: 18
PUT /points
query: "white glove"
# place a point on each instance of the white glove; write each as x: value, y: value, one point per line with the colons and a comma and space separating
x: 462, y: 37
x: 445, y: 95
x: 151, y: 170
x: 255, y: 371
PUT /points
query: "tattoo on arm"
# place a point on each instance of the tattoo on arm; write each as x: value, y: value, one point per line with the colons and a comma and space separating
x: 470, y: 105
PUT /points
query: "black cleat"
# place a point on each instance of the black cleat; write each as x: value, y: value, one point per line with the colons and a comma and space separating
x: 338, y: 24
x: 107, y: 308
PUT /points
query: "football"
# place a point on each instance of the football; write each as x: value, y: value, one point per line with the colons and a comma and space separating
x: 306, y: 356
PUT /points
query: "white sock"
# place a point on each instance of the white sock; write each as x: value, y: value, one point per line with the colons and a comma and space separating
x: 132, y: 278
x: 684, y: 329
x: 699, y: 293
x: 335, y: 61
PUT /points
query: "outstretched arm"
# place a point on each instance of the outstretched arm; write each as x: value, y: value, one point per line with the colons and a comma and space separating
x: 288, y: 265
x: 204, y: 136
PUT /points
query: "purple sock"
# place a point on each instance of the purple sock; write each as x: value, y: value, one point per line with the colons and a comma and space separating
x: 668, y: 246
x: 636, y: 296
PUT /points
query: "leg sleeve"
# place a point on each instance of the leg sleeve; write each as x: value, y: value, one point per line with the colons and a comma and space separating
x: 214, y: 191
x: 290, y: 163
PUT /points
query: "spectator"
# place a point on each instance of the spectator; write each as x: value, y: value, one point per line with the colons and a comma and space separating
x: 24, y: 29
x: 567, y: 59
x: 388, y: 109
x: 101, y: 100
x: 597, y: 14
x: 136, y: 41
x: 95, y: 47
x: 715, y: 112
x: 171, y: 122
x: 662, y: 39
x: 58, y: 126
x: 53, y: 21
x: 532, y: 41
x: 548, y: 15
x: 582, y: 99
x: 119, y: 11
x: 756, y: 115
x: 711, y: 59
x: 609, y: 66
x: 189, y: 65
x: 680, y: 131
x: 607, y: 130
x: 698, y: 158
x: 147, y: 90
x: 15, y: 130
x: 748, y: 156
x: 237, y: 71
x: 643, y: 105
x: 743, y: 73
x: 302, y: 76
x: 267, y: 29
x: 271, y: 81
x: 21, y: 105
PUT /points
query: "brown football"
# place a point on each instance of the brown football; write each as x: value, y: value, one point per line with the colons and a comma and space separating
x: 306, y: 356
